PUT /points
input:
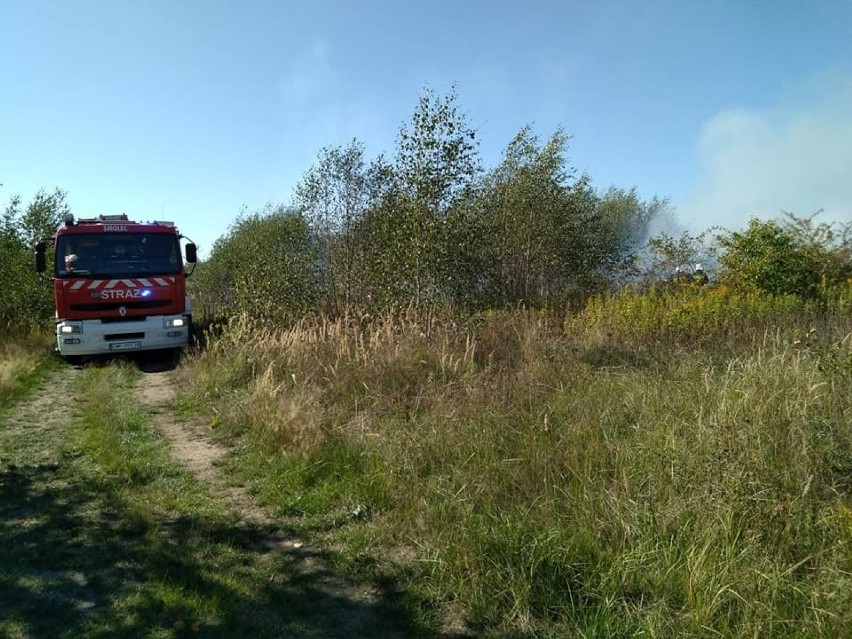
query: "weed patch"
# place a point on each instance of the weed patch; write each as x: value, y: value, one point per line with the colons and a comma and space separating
x: 105, y: 535
x: 670, y: 468
x: 24, y: 360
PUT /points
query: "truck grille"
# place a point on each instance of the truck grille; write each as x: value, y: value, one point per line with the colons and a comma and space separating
x: 114, y: 306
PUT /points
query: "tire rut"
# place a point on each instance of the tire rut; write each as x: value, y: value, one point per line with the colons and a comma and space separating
x: 195, y: 450
x: 202, y: 456
x: 36, y: 423
x: 57, y: 508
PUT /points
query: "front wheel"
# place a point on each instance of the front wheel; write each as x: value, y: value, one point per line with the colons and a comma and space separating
x: 190, y: 327
x: 73, y: 360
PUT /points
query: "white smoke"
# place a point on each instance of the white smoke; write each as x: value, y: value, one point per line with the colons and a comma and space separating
x: 758, y: 163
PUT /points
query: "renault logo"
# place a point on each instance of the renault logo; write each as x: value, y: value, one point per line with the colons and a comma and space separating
x: 122, y: 311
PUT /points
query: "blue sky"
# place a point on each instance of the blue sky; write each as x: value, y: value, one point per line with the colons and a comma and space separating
x: 194, y: 110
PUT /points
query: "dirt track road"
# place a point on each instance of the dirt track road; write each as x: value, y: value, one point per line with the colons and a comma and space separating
x: 56, y: 523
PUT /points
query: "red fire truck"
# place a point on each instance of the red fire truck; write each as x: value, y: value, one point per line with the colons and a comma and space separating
x: 118, y: 285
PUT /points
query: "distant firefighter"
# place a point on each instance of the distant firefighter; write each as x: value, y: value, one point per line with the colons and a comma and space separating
x: 680, y: 275
x: 699, y: 276
x: 690, y: 275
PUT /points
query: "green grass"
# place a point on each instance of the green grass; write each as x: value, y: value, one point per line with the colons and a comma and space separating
x: 24, y: 359
x: 105, y: 535
x: 525, y: 475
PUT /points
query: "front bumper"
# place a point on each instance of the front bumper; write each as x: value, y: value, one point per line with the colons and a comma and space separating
x: 95, y: 337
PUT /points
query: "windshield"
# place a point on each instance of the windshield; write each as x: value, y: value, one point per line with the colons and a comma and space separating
x: 117, y: 254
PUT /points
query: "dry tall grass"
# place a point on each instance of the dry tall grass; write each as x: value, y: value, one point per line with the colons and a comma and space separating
x: 644, y: 466
x: 20, y: 356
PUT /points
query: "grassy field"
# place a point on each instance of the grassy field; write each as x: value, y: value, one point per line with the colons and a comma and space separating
x: 105, y: 534
x: 22, y: 359
x: 663, y: 464
x: 671, y: 464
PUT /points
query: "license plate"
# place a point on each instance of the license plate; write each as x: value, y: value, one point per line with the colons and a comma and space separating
x: 125, y: 346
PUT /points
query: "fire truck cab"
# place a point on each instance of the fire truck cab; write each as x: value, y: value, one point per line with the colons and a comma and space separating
x: 118, y: 285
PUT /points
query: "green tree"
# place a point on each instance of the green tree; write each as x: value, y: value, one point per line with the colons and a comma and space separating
x: 524, y: 197
x: 384, y: 233
x: 265, y: 266
x: 43, y: 215
x: 436, y: 153
x: 625, y: 222
x: 547, y: 233
x: 827, y: 245
x: 25, y: 299
x: 436, y: 159
x: 334, y: 196
x: 769, y: 256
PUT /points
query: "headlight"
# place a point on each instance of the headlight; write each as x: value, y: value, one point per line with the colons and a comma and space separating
x: 67, y: 329
x: 176, y: 322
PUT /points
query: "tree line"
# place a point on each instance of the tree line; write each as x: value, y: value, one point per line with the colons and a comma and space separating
x: 428, y: 225
x: 25, y: 300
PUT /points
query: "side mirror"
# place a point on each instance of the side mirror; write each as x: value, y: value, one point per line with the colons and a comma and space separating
x: 191, y: 255
x: 40, y: 258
